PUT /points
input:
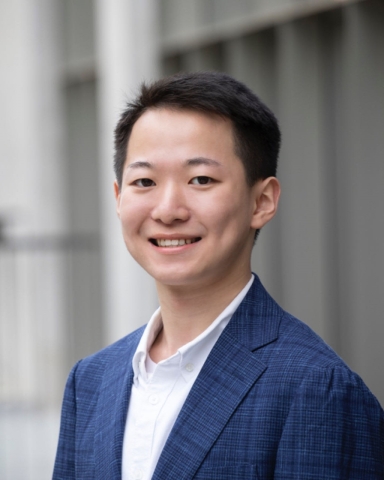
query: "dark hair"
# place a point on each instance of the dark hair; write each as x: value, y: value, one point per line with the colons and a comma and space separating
x: 256, y: 132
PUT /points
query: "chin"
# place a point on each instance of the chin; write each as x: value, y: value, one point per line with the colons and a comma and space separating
x: 172, y: 276
x: 185, y: 278
x: 177, y: 280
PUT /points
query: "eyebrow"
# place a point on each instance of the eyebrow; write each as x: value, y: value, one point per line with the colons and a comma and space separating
x: 192, y: 162
x: 140, y: 164
x: 203, y: 161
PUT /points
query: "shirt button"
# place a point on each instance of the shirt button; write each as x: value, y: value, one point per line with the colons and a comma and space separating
x: 153, y: 399
x: 189, y: 367
x: 138, y: 474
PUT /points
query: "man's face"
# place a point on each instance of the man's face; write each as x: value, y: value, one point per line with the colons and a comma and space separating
x: 185, y: 207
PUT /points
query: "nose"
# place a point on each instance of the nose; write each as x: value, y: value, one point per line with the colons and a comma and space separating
x: 171, y: 205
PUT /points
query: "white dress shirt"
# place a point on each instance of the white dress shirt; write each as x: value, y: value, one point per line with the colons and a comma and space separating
x: 160, y: 390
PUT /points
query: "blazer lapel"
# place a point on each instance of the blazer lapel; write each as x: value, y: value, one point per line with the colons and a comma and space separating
x: 112, y: 412
x: 229, y: 372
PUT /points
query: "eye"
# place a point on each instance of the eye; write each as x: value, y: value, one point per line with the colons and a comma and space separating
x: 144, y: 182
x: 201, y: 180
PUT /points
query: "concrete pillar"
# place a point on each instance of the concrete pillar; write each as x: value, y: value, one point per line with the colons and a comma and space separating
x: 122, y: 27
x: 31, y: 174
x: 302, y: 202
x: 32, y: 199
x: 32, y: 193
x: 360, y: 195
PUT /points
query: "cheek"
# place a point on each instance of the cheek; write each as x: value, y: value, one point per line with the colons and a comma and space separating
x: 228, y: 212
x: 133, y: 212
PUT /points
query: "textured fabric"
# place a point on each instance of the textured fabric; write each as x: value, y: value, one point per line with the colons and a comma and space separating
x: 272, y: 401
x: 155, y: 404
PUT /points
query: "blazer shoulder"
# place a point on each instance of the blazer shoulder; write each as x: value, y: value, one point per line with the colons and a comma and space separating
x: 304, y: 344
x: 304, y: 359
x: 95, y: 364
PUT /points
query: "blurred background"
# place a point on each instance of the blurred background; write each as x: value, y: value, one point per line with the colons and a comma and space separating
x: 67, y: 285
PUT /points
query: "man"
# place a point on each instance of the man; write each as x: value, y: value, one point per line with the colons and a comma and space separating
x: 221, y: 383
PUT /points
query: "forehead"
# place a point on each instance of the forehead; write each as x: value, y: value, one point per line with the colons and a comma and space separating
x: 182, y: 132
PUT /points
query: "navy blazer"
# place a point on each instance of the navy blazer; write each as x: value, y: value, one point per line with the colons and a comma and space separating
x: 272, y: 401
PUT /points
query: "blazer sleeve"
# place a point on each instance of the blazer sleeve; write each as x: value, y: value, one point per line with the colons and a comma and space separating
x: 65, y: 457
x: 334, y: 430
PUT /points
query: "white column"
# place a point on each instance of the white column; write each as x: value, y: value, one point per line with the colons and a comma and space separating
x: 31, y: 177
x: 127, y: 55
x: 32, y: 197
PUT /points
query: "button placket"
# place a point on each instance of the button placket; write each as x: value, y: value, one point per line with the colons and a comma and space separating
x: 153, y: 399
x: 138, y: 474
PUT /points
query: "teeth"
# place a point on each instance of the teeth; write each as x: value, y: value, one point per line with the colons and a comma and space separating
x: 161, y: 242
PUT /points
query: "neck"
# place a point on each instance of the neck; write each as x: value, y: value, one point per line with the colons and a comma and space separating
x: 187, y: 311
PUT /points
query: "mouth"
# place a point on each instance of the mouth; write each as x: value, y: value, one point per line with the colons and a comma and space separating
x: 174, y: 242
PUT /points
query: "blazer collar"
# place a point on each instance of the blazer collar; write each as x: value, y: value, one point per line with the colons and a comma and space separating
x: 257, y: 320
x: 229, y: 372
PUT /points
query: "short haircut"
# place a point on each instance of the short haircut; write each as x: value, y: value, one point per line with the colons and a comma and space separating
x: 256, y: 131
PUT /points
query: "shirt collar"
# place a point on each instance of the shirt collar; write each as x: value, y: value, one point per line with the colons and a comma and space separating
x: 212, y: 333
x: 151, y: 331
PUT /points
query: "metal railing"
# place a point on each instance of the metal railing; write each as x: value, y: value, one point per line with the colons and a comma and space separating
x: 49, y: 297
x: 50, y: 315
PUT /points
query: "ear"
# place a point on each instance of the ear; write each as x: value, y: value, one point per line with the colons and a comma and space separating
x: 117, y: 197
x: 266, y: 194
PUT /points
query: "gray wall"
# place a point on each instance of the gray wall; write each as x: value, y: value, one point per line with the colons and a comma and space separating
x: 320, y: 67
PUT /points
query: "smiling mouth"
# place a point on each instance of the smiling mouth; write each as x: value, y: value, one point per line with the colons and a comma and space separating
x: 174, y: 242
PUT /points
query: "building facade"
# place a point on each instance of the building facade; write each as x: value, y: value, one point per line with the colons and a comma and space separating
x: 67, y: 285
